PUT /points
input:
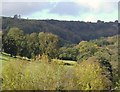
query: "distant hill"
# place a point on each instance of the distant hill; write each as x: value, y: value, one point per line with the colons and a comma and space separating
x: 71, y: 31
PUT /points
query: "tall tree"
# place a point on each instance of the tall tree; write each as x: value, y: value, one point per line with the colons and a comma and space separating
x: 18, y: 36
x: 32, y: 44
x: 9, y: 46
x: 49, y: 44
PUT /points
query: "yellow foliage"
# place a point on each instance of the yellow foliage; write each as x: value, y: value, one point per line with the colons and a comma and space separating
x: 22, y: 75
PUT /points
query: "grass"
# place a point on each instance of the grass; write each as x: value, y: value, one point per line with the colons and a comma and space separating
x: 13, y: 66
x: 21, y: 74
x: 6, y: 58
x: 64, y: 62
x: 24, y: 75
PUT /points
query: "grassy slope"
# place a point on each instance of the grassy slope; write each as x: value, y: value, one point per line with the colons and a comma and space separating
x: 6, y: 58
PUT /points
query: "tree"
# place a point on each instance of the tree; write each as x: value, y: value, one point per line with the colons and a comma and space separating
x: 15, y: 16
x: 101, y: 42
x: 68, y: 53
x: 86, y: 49
x: 92, y: 76
x: 49, y: 44
x: 9, y: 46
x: 18, y: 36
x: 32, y: 45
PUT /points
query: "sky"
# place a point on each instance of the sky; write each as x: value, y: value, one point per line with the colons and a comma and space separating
x: 75, y: 10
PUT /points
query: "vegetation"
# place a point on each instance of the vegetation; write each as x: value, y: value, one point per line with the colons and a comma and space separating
x: 44, y: 61
x: 15, y: 42
x: 70, y: 31
x: 43, y: 74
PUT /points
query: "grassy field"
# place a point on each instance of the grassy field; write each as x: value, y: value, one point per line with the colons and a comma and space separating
x: 64, y: 62
x: 6, y: 58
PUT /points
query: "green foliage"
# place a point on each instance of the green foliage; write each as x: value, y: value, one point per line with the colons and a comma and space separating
x: 92, y: 76
x: 30, y: 45
x: 118, y: 85
x: 15, y: 33
x: 86, y: 49
x: 12, y: 41
x: 49, y: 44
x: 72, y: 31
x: 96, y: 71
x: 68, y: 53
x: 9, y: 46
x: 109, y: 54
x: 102, y: 42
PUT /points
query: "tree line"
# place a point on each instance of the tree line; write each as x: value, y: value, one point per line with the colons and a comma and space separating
x: 70, y: 31
x: 15, y: 42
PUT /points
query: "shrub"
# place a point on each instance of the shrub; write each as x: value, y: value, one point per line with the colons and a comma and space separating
x: 91, y: 76
x: 22, y: 75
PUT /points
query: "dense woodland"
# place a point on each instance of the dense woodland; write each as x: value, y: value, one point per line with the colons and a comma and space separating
x: 59, y: 55
x: 70, y: 31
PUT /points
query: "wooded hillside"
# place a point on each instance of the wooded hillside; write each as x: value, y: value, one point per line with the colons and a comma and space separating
x: 71, y: 31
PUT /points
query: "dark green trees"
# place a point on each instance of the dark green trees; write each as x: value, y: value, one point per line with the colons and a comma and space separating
x: 18, y: 36
x: 30, y: 45
x: 12, y: 41
x: 9, y: 46
x: 68, y: 53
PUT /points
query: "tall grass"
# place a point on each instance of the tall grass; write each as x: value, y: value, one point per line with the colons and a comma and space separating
x: 38, y: 75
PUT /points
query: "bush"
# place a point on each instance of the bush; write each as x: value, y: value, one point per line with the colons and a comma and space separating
x: 68, y: 53
x: 118, y: 85
x: 22, y: 75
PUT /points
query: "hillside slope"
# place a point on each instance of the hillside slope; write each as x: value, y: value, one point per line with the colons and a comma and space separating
x: 71, y: 31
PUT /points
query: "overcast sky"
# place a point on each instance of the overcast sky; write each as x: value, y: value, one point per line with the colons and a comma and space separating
x: 82, y: 10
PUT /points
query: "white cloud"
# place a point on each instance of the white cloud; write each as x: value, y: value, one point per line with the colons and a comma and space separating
x: 98, y: 6
x: 94, y: 4
x: 87, y: 10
